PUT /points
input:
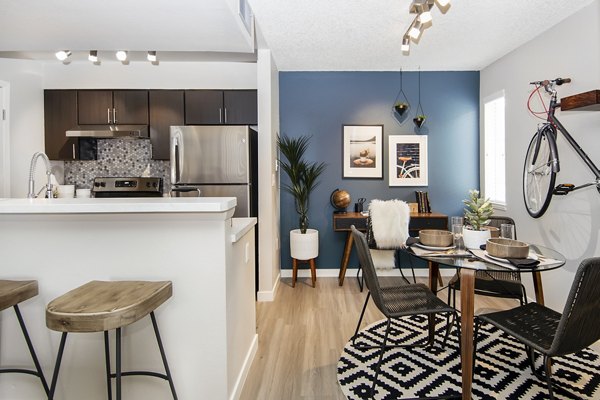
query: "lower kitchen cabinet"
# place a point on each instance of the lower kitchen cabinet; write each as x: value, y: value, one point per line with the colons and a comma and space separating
x: 60, y: 115
x: 166, y: 109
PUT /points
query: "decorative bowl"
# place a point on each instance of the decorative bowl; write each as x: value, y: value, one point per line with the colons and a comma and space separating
x: 435, y: 237
x: 507, y: 248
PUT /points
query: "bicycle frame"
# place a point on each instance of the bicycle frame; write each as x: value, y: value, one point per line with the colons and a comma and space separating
x: 559, y: 126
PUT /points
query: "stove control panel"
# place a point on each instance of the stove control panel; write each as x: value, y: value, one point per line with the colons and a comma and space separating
x: 119, y: 187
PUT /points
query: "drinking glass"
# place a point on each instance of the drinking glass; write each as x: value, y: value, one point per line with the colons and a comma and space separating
x: 507, y: 231
x: 456, y: 221
x: 457, y: 231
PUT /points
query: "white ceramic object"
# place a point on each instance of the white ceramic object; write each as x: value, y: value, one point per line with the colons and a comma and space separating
x: 83, y: 193
x: 304, y: 246
x: 65, y: 191
x: 474, y: 239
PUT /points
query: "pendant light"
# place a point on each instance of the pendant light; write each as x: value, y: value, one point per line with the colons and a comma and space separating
x: 401, y: 105
x: 420, y: 116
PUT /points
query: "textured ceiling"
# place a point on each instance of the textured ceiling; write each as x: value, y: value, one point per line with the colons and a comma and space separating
x: 359, y: 35
x: 304, y: 35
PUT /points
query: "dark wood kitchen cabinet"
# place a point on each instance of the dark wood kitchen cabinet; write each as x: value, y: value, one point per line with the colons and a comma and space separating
x: 60, y: 115
x: 103, y: 107
x: 215, y: 107
x: 166, y: 109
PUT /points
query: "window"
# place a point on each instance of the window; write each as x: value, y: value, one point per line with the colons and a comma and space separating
x: 494, y: 154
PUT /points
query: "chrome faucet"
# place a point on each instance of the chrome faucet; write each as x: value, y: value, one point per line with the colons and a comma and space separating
x: 34, y: 159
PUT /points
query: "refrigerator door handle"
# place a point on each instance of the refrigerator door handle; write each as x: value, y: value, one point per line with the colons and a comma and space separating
x: 176, y: 157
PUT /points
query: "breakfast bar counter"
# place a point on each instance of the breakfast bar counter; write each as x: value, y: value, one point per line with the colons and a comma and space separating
x: 208, y: 327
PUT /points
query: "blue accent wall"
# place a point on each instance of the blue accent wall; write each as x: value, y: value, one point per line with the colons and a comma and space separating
x: 319, y: 103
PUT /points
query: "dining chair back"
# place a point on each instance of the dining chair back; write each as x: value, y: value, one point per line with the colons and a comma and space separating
x: 551, y: 333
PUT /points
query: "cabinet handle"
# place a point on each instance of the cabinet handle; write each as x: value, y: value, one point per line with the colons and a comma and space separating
x: 114, y: 115
x: 73, y: 151
x: 108, y: 115
x: 225, y: 114
x: 220, y: 115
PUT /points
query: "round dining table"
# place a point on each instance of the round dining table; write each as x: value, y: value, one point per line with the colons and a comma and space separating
x: 468, y: 264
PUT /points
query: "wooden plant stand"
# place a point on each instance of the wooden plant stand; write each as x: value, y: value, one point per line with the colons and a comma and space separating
x: 313, y: 270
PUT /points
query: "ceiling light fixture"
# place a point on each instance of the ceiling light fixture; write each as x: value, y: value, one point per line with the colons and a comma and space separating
x: 93, y: 56
x: 152, y: 56
x: 121, y: 55
x: 62, y: 55
x: 422, y: 19
x: 405, y: 44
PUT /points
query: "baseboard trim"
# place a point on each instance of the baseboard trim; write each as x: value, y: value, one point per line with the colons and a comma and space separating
x: 269, y: 295
x: 236, y: 393
x: 351, y: 272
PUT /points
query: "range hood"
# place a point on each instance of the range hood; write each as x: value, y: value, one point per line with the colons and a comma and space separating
x: 110, y: 131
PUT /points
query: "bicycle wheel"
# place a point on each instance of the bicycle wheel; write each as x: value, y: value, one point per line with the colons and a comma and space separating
x: 539, y: 172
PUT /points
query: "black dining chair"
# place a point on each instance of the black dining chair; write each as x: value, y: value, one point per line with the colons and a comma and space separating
x: 394, y: 215
x: 504, y: 284
x: 553, y: 334
x: 394, y: 301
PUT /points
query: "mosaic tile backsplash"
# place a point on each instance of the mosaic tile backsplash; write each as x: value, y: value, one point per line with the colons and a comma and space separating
x: 120, y: 158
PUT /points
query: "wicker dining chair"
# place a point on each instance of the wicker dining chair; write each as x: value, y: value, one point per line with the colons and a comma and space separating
x: 505, y: 284
x: 396, y: 215
x: 394, y: 301
x: 547, y: 331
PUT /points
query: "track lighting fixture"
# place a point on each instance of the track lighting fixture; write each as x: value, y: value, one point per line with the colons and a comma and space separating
x: 121, y: 55
x: 422, y: 9
x: 93, y: 56
x: 152, y: 56
x: 62, y: 55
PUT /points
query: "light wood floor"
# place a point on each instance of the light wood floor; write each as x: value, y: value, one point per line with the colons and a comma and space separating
x: 302, y: 333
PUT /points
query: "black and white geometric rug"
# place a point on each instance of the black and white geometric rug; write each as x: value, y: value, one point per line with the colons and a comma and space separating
x: 501, y: 372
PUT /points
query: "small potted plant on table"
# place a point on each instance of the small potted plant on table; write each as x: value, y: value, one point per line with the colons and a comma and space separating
x: 477, y: 215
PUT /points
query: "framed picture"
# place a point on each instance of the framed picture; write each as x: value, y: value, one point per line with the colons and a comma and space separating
x: 362, y: 151
x: 408, y: 160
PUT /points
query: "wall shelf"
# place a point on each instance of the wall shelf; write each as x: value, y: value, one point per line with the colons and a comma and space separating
x: 588, y: 101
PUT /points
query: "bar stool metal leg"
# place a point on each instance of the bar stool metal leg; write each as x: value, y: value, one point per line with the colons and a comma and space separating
x: 118, y: 363
x: 162, y: 354
x: 38, y: 367
x: 61, y: 349
x: 108, y: 373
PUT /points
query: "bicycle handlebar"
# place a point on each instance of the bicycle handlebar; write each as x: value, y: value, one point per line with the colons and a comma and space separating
x: 557, y: 81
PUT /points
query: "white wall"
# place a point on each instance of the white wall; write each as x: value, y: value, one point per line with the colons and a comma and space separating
x: 268, y: 122
x: 572, y: 223
x: 26, y: 119
x: 143, y: 75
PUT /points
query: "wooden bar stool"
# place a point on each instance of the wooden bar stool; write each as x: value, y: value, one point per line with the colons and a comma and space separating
x: 100, y: 306
x: 11, y: 294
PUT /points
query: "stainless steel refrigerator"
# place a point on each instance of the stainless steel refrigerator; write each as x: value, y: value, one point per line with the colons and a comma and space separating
x: 216, y: 161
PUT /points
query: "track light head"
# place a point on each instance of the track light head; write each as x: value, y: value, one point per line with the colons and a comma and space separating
x: 152, y: 56
x: 121, y: 55
x: 62, y: 55
x: 405, y: 44
x: 415, y: 30
x: 93, y: 56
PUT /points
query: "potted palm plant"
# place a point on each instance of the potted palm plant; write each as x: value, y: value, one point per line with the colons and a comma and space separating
x: 477, y: 214
x: 304, y: 177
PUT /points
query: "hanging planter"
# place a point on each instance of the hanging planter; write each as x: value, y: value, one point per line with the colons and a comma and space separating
x: 420, y: 118
x: 401, y: 105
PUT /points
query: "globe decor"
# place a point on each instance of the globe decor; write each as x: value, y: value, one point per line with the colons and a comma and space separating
x: 340, y: 200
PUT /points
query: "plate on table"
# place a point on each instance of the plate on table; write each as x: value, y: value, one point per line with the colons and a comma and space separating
x: 504, y: 260
x: 433, y: 248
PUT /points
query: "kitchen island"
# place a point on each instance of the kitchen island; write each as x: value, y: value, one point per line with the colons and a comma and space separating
x: 208, y: 327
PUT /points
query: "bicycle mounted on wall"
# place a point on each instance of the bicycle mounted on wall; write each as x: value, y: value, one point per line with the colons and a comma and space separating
x: 541, y: 161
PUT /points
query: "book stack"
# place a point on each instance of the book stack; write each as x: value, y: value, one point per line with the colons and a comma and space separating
x: 423, y: 202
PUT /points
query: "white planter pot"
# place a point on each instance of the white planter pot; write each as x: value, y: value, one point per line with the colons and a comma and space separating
x: 304, y: 246
x: 474, y: 239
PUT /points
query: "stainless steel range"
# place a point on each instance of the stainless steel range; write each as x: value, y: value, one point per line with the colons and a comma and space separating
x: 127, y: 187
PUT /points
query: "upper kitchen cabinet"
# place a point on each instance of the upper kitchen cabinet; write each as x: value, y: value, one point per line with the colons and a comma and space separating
x: 60, y: 115
x: 214, y: 107
x: 102, y: 107
x: 166, y: 109
x: 240, y: 107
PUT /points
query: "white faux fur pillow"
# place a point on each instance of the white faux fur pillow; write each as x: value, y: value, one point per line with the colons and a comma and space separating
x: 389, y: 220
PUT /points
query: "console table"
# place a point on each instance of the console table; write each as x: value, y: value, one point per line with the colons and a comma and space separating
x: 343, y: 221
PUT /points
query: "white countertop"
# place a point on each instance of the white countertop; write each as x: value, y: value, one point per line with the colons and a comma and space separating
x: 118, y: 205
x: 241, y: 226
